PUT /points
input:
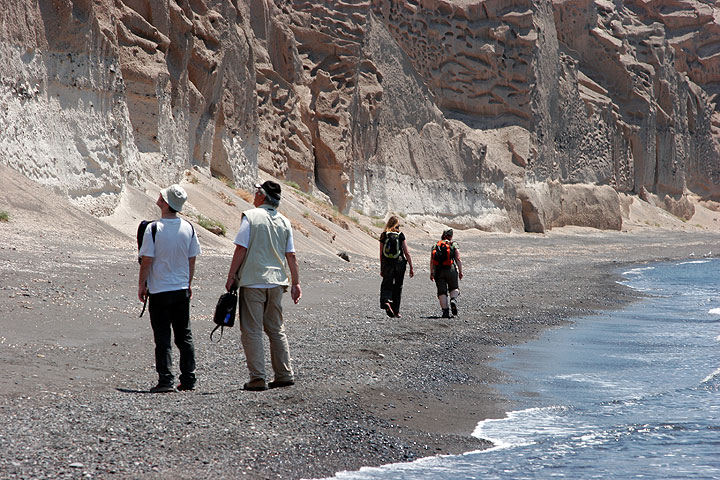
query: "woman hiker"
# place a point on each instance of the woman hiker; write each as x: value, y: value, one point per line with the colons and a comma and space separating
x: 393, y: 257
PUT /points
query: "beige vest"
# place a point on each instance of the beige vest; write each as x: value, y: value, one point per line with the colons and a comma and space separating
x: 265, y: 257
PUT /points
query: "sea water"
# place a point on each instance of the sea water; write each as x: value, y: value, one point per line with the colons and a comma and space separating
x: 633, y: 393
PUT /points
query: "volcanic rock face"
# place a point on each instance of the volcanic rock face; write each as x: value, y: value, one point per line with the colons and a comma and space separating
x: 498, y: 114
x: 97, y: 94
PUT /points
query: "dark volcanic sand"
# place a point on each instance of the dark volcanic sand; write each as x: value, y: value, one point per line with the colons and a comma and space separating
x: 370, y: 390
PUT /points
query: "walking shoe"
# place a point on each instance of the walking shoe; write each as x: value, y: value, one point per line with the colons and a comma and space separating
x: 185, y: 388
x: 161, y: 388
x: 281, y: 383
x: 446, y: 313
x: 388, y: 309
x: 453, y: 307
x: 257, y: 385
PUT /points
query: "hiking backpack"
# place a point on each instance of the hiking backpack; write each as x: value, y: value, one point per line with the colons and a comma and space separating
x: 442, y: 254
x: 153, y: 226
x: 141, y: 233
x: 391, y: 248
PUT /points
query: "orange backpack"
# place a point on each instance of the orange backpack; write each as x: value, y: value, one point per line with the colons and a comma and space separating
x: 442, y: 254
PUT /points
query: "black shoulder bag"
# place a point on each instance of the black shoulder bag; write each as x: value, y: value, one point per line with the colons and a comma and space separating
x: 225, y: 311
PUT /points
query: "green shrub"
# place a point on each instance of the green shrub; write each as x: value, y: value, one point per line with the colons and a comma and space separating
x: 212, y: 225
x: 227, y: 181
x: 292, y: 184
x: 4, y: 216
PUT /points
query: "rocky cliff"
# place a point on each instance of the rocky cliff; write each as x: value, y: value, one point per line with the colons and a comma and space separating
x: 497, y: 114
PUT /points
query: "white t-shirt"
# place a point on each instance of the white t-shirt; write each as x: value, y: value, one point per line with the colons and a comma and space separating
x: 175, y: 242
x: 243, y: 239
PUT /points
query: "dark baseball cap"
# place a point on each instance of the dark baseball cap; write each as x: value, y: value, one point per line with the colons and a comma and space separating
x: 270, y: 189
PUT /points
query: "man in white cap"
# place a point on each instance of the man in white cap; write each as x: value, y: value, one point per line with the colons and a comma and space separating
x: 167, y: 267
x: 264, y: 250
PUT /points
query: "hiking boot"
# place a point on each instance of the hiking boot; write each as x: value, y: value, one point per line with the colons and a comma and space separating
x: 257, y: 385
x: 281, y: 383
x: 162, y: 388
x: 185, y: 387
x: 388, y: 309
x: 453, y: 307
x: 446, y: 313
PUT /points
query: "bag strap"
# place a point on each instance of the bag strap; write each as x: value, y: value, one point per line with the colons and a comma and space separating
x: 222, y: 328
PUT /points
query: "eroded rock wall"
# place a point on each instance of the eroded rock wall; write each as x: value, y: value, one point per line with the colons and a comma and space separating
x: 432, y: 107
x: 94, y: 95
x: 472, y: 111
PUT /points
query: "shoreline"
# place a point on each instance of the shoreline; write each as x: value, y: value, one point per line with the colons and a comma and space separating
x: 370, y: 390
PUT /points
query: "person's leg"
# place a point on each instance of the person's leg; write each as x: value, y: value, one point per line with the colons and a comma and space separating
x: 252, y: 305
x: 399, y: 276
x: 386, y: 288
x: 184, y: 339
x: 158, y: 306
x: 454, y: 290
x: 443, y: 301
x: 275, y: 330
x: 442, y: 291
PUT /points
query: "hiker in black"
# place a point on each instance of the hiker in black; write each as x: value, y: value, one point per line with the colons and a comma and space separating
x: 445, y: 270
x: 394, y: 256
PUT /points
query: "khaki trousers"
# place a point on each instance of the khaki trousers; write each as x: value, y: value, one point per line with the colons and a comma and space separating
x: 261, y: 309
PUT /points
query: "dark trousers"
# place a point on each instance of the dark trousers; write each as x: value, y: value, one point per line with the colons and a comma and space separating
x: 393, y: 274
x: 172, y: 310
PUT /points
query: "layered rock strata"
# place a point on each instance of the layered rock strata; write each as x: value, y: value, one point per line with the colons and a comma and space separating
x: 95, y: 95
x: 497, y: 114
x: 472, y: 111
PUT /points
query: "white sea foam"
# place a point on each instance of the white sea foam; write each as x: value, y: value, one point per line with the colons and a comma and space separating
x: 710, y: 377
x: 638, y: 270
x: 693, y: 261
x: 585, y: 378
x: 714, y: 311
x: 523, y: 427
x: 436, y: 463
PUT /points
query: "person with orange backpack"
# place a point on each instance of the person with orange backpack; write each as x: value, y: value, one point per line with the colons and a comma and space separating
x: 445, y: 270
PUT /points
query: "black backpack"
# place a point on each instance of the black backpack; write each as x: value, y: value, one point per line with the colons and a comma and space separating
x: 140, y: 235
x: 391, y: 248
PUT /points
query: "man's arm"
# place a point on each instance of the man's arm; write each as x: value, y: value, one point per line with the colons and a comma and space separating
x: 237, y: 261
x: 295, y: 290
x: 143, y: 276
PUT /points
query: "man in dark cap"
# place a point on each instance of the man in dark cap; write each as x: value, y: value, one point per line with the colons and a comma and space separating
x: 445, y: 270
x: 264, y: 252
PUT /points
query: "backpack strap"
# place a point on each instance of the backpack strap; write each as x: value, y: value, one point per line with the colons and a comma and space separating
x: 153, y: 233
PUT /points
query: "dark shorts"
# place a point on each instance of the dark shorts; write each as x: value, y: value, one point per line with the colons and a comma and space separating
x: 446, y: 279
